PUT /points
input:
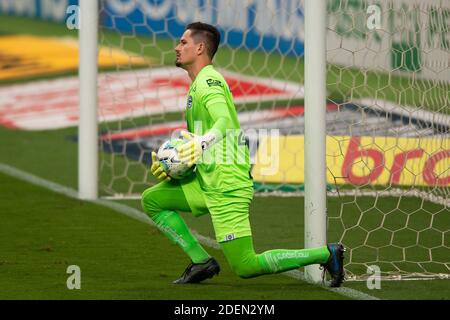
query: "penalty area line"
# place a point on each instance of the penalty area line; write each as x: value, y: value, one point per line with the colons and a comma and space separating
x: 141, y: 216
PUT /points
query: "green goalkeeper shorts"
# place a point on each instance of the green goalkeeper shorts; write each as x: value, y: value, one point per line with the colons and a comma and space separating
x: 229, y: 210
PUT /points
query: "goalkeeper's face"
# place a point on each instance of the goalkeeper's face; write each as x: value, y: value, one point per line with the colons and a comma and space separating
x: 187, y: 51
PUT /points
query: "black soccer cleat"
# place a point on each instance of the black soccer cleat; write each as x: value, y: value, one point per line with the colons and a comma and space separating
x: 335, y: 264
x: 197, y: 272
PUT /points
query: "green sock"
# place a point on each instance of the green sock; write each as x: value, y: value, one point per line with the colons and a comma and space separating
x: 246, y: 263
x: 279, y: 260
x: 173, y: 226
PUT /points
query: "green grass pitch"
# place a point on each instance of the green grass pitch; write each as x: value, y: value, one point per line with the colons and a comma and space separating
x: 42, y: 233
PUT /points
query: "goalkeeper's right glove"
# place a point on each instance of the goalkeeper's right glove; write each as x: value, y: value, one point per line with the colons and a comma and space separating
x: 157, y: 170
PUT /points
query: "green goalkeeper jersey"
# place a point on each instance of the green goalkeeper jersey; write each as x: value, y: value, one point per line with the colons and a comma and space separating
x: 225, y: 165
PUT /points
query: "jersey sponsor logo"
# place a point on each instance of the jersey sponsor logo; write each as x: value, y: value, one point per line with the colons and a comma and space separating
x: 212, y: 82
x: 45, y: 56
x: 189, y: 102
x: 52, y: 104
x: 229, y: 237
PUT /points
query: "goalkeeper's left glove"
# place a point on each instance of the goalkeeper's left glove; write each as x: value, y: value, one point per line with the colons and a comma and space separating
x: 192, y: 151
x: 157, y: 170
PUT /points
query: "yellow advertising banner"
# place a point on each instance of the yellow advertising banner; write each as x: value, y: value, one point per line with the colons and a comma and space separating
x: 23, y: 56
x: 359, y: 160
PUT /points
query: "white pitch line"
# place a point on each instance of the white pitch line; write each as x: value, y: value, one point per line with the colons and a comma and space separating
x: 395, y: 192
x: 141, y: 216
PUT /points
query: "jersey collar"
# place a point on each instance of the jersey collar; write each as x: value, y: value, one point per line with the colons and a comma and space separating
x: 204, y: 69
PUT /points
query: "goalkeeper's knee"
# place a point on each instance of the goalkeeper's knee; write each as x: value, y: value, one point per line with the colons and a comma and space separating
x: 243, y: 272
x: 242, y: 257
x: 245, y: 268
x: 148, y: 202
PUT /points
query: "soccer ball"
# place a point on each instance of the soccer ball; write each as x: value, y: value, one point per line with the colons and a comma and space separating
x: 168, y: 158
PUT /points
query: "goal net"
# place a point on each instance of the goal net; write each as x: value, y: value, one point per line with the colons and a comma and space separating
x: 388, y: 114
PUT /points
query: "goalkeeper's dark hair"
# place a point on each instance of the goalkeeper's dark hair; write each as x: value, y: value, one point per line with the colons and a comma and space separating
x: 209, y: 34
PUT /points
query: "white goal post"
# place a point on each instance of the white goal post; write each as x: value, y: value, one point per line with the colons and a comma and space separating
x: 88, y: 131
x: 315, y: 131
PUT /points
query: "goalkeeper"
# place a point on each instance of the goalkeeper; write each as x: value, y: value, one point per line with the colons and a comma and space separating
x: 222, y: 189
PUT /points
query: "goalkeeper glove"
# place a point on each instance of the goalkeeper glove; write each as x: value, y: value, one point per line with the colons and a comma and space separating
x: 157, y: 170
x: 192, y: 151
